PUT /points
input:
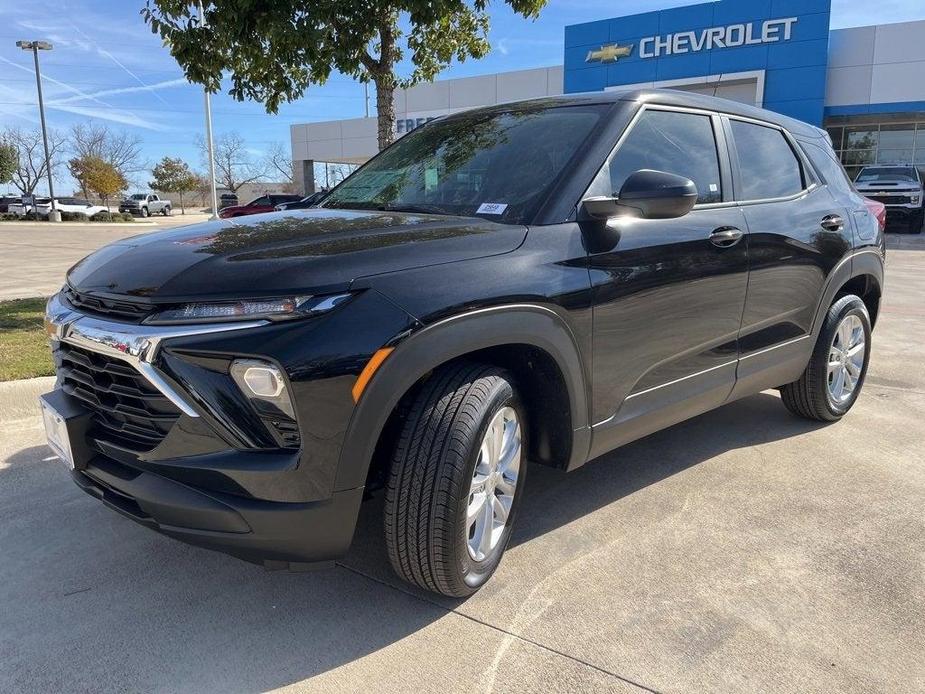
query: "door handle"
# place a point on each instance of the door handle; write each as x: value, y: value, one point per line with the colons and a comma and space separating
x: 832, y: 222
x: 725, y: 237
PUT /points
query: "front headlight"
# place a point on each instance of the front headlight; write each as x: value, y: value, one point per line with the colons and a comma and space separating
x: 247, y: 309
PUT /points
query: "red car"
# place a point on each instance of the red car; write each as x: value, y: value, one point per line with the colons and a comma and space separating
x: 265, y: 203
x: 878, y: 210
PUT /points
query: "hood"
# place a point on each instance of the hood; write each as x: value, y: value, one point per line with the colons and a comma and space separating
x: 303, y: 251
x: 898, y: 185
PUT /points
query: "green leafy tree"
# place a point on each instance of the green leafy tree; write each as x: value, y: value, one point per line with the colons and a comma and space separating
x: 97, y: 176
x: 9, y: 161
x: 273, y: 50
x: 174, y: 176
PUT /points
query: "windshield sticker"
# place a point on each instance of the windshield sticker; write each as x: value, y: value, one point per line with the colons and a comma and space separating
x: 491, y: 208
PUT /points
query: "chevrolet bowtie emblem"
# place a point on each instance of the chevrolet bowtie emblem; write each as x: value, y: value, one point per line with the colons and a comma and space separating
x: 609, y: 53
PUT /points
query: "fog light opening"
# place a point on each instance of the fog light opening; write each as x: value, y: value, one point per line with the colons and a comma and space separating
x: 264, y: 381
x: 264, y: 385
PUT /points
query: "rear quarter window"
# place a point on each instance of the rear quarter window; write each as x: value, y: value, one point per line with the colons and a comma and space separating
x: 768, y: 166
x: 828, y: 165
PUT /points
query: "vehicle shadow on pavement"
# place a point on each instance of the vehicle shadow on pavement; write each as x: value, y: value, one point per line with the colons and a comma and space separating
x: 553, y: 498
x: 91, y: 599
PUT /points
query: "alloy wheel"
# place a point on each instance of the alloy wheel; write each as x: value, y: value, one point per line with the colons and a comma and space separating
x: 846, y: 359
x: 494, y: 482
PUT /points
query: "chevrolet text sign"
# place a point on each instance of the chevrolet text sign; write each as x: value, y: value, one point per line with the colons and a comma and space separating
x: 770, y: 31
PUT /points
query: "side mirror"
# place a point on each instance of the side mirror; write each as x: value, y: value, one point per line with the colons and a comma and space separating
x: 648, y: 194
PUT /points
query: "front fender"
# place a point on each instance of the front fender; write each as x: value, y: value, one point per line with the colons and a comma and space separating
x: 423, y: 351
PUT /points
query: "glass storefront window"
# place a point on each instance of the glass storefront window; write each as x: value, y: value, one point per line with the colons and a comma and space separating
x: 861, y: 137
x: 860, y: 157
x: 898, y: 137
x: 894, y: 156
x: 836, y: 135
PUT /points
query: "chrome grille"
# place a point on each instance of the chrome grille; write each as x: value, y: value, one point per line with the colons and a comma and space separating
x: 892, y: 199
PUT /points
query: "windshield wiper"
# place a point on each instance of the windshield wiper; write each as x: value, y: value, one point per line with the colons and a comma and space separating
x: 410, y: 207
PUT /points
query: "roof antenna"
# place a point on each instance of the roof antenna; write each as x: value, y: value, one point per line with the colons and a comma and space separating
x: 717, y: 83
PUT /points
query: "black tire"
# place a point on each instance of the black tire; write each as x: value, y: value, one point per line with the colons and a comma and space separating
x: 144, y: 211
x: 166, y: 211
x: 428, y: 492
x: 809, y: 397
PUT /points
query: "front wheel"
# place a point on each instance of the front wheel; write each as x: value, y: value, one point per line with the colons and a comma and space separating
x: 456, y: 479
x: 144, y: 211
x: 833, y: 379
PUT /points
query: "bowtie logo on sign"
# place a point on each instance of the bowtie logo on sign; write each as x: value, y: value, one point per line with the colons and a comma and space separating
x: 609, y: 53
x: 731, y: 36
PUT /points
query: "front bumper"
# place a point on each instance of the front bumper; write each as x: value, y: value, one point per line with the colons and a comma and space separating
x: 274, y: 534
x: 903, y: 211
x: 216, y: 478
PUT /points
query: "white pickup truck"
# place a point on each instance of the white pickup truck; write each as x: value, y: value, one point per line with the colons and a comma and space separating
x: 145, y: 204
x: 899, y: 188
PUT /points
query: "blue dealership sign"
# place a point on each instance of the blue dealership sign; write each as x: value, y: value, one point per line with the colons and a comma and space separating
x: 782, y: 43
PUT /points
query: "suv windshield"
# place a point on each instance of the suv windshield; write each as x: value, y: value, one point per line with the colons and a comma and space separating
x: 500, y: 164
x: 139, y: 197
x: 871, y: 175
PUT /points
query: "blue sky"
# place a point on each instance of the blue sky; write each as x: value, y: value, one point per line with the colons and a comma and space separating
x: 107, y: 66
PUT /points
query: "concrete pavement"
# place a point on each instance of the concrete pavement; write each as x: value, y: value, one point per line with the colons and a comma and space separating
x: 36, y: 255
x: 744, y: 550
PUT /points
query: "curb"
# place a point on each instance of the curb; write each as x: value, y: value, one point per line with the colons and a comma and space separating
x: 56, y: 225
x: 19, y: 399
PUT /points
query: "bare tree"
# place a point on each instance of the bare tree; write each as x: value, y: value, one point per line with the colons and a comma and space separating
x: 235, y: 165
x: 31, y: 168
x: 335, y: 172
x: 278, y: 163
x: 121, y: 150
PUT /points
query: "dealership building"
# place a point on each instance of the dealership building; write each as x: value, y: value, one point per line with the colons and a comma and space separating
x: 865, y: 85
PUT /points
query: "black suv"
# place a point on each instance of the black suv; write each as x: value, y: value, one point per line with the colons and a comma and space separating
x: 541, y: 281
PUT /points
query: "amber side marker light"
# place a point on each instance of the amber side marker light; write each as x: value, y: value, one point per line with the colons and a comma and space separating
x: 367, y: 373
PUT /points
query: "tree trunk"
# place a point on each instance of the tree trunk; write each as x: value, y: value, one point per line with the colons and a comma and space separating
x: 182, y: 209
x: 385, y: 108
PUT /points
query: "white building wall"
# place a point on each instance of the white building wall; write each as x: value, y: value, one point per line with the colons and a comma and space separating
x: 876, y: 64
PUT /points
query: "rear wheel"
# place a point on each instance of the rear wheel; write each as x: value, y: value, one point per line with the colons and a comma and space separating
x: 166, y: 211
x: 456, y: 479
x: 833, y: 379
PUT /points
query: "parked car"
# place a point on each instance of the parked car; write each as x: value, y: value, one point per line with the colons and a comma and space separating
x: 265, y: 203
x: 77, y: 205
x: 24, y: 206
x: 897, y: 187
x: 540, y: 281
x: 6, y: 201
x: 227, y: 200
x: 145, y: 204
x: 304, y: 203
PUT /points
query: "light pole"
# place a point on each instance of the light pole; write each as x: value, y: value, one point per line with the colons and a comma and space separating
x: 35, y: 47
x: 209, y: 145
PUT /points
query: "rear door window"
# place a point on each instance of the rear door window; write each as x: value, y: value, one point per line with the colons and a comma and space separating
x: 768, y: 166
x: 674, y: 142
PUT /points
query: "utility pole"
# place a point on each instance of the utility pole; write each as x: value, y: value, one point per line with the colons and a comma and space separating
x: 209, y: 145
x: 366, y: 97
x: 35, y: 47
